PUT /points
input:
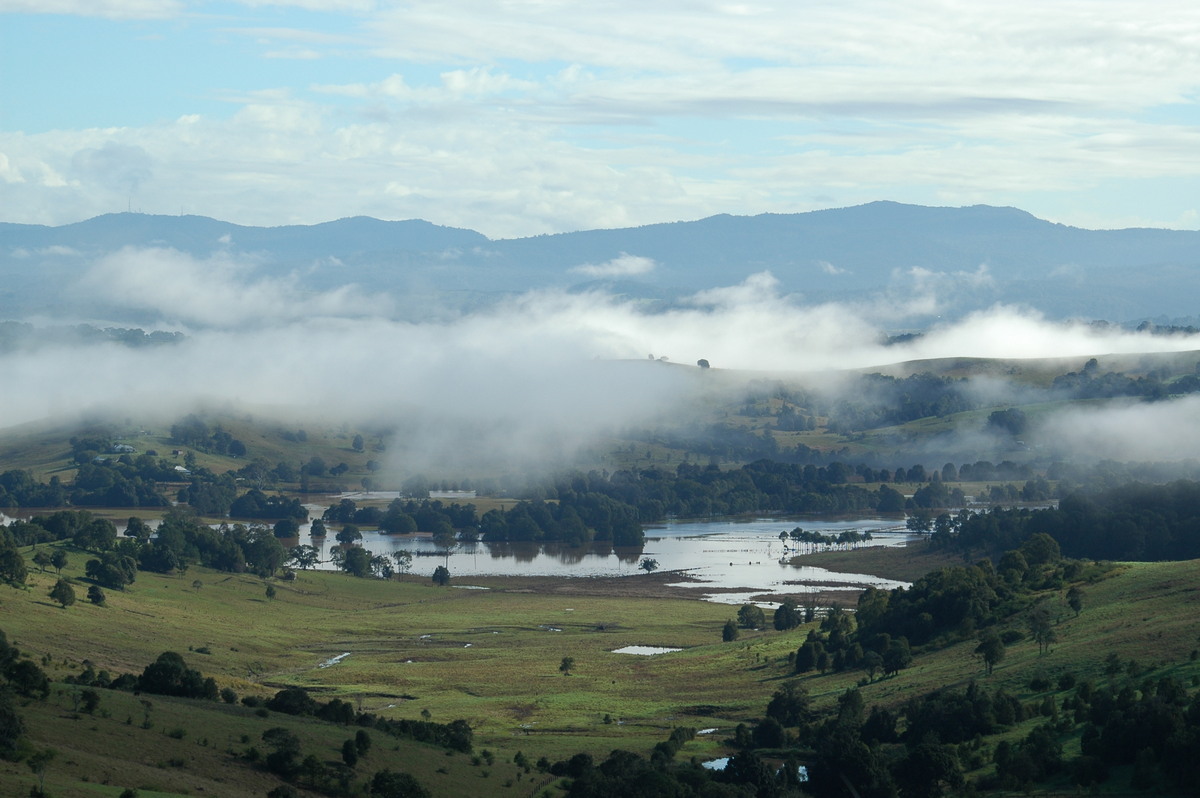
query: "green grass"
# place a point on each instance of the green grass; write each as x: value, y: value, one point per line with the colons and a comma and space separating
x: 490, y: 657
x: 487, y: 656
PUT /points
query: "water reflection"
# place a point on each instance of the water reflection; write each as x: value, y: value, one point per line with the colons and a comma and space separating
x: 724, y: 561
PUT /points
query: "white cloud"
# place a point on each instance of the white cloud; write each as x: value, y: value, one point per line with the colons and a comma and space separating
x: 531, y: 117
x: 112, y: 9
x: 624, y: 266
x: 218, y: 291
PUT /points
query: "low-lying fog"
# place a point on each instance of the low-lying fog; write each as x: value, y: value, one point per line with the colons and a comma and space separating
x: 532, y: 377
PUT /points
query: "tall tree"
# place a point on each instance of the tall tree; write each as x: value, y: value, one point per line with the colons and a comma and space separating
x: 990, y: 650
x: 59, y: 560
x: 63, y: 593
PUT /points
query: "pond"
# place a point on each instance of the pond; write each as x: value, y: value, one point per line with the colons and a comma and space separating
x: 645, y: 651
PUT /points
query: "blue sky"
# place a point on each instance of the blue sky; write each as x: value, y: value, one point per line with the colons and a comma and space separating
x: 536, y: 116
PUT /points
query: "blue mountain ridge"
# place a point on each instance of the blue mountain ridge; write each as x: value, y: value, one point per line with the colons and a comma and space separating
x: 977, y: 256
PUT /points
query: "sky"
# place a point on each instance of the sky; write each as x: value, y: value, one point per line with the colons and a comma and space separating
x: 524, y: 117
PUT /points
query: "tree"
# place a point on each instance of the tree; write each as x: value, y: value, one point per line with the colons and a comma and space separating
x: 381, y: 566
x: 920, y: 522
x: 387, y: 784
x: 730, y: 631
x: 1075, y: 599
x: 282, y: 760
x: 702, y: 363
x: 59, y: 560
x: 137, y: 528
x: 1040, y: 549
x: 12, y: 726
x: 931, y: 769
x: 304, y: 556
x: 63, y: 593
x: 990, y: 650
x: 648, y: 565
x: 1040, y: 627
x: 567, y: 664
x: 358, y: 443
x: 286, y: 528
x: 170, y: 675
x: 350, y: 753
x: 808, y: 655
x: 1011, y: 422
x: 349, y: 534
x: 90, y: 700
x: 270, y: 591
x: 41, y: 558
x: 357, y: 561
x: 96, y: 595
x: 786, y: 615
x: 871, y: 663
x: 362, y: 741
x: 790, y: 705
x: 112, y: 569
x: 897, y: 656
x: 38, y: 763
x: 404, y: 559
x: 751, y: 616
x: 12, y: 565
x: 441, y: 576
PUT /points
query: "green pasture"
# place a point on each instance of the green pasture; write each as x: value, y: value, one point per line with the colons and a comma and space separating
x: 491, y: 657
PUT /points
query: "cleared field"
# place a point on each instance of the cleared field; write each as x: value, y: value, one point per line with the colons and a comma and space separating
x: 489, y: 653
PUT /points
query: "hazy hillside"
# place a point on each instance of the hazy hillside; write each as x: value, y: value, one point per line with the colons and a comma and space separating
x: 980, y: 255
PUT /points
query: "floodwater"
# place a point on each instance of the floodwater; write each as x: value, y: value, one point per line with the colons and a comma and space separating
x: 724, y: 561
x: 645, y: 651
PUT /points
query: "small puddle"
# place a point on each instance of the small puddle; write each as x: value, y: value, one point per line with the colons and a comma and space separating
x: 645, y: 651
x: 333, y: 660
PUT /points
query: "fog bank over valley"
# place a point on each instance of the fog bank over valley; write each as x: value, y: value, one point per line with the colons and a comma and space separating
x: 534, y: 377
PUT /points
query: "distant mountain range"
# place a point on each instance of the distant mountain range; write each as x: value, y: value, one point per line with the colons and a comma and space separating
x: 973, y: 257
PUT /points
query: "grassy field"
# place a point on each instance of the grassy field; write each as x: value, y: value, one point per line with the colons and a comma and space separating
x: 489, y: 653
x: 905, y: 563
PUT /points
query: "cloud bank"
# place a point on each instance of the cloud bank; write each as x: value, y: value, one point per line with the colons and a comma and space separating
x: 531, y: 379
